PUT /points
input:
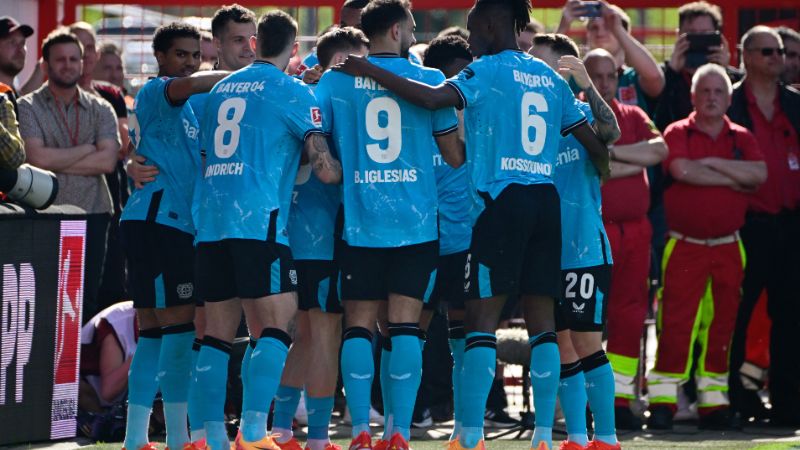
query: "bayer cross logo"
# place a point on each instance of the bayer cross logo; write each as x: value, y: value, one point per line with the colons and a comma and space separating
x: 185, y: 290
x: 293, y: 276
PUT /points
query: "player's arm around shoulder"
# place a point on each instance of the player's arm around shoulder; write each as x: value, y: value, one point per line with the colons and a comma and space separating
x: 327, y: 168
x: 180, y: 89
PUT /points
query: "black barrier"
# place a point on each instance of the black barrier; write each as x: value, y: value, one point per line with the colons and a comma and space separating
x: 41, y: 254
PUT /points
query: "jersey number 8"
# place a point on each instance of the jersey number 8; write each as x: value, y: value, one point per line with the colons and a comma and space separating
x: 392, y: 132
x: 535, y: 121
x: 228, y: 127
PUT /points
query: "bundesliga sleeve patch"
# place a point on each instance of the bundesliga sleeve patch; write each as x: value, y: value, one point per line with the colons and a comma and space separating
x: 316, y: 116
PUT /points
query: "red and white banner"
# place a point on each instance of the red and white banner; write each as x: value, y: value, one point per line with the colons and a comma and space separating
x: 72, y: 249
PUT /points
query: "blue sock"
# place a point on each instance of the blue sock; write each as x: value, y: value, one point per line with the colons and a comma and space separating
x: 142, y: 387
x: 600, y: 391
x: 405, y: 369
x: 572, y: 394
x: 286, y: 400
x: 320, y: 410
x: 358, y: 370
x: 243, y: 373
x: 264, y: 375
x: 457, y: 341
x: 175, y: 368
x: 386, y: 388
x: 196, y: 420
x: 545, y: 369
x: 480, y: 363
x: 211, y: 380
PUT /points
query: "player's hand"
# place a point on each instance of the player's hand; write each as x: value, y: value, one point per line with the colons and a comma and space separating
x: 572, y: 11
x: 678, y: 59
x: 721, y: 54
x: 140, y: 172
x: 354, y: 65
x: 312, y: 74
x: 572, y: 66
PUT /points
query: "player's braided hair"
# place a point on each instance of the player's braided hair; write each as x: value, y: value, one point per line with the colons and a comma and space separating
x: 520, y: 11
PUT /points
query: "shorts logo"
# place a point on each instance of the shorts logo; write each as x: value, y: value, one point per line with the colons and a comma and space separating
x: 578, y: 308
x: 467, y: 273
x: 185, y: 290
x: 316, y: 116
x: 293, y: 276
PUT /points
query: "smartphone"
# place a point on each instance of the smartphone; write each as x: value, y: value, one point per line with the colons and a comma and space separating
x: 700, y: 46
x: 591, y: 9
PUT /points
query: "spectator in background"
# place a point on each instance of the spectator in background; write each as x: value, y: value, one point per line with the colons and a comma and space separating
x: 109, y: 65
x: 12, y: 148
x: 771, y: 111
x: 12, y: 51
x: 207, y: 48
x: 696, y: 17
x: 713, y: 163
x: 640, y: 78
x: 791, y: 42
x: 113, y: 285
x: 74, y: 134
x: 625, y: 203
x: 525, y: 39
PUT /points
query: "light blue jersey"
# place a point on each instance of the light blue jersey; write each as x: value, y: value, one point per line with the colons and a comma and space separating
x: 385, y: 145
x: 255, y: 124
x: 516, y: 110
x: 166, y: 134
x: 455, y: 206
x: 311, y: 59
x: 198, y: 102
x: 583, y: 236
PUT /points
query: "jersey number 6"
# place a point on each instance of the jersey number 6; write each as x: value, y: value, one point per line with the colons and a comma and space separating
x: 392, y: 132
x: 535, y: 121
x: 228, y: 127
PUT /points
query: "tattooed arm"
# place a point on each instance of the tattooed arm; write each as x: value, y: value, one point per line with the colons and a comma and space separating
x: 605, y: 122
x: 325, y: 166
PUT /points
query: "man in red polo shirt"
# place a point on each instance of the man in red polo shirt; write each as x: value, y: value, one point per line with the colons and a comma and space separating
x: 770, y: 235
x: 626, y: 199
x: 713, y: 163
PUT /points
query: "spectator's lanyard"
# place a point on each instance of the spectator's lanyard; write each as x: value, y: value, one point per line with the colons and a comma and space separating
x: 63, y: 115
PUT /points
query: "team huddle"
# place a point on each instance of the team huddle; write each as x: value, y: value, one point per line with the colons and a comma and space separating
x: 369, y: 193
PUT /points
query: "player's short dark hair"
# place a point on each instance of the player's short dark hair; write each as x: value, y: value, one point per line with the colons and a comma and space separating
x: 230, y: 13
x: 355, y: 4
x: 166, y: 34
x: 788, y: 34
x: 519, y: 11
x: 276, y: 30
x: 337, y: 40
x: 693, y: 10
x: 560, y: 44
x: 59, y: 36
x: 380, y: 15
x: 443, y: 50
x: 454, y: 31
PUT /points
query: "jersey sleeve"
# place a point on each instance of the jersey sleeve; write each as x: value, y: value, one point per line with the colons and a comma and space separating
x: 587, y: 111
x: 746, y: 142
x: 645, y: 128
x: 571, y: 114
x: 444, y: 120
x: 304, y: 116
x: 153, y: 103
x: 474, y: 82
x: 677, y: 141
x: 322, y: 92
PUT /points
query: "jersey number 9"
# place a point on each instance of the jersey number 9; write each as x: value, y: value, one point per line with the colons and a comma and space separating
x: 535, y: 121
x: 392, y: 132
x: 228, y: 127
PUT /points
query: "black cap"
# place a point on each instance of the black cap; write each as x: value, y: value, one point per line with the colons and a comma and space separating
x: 8, y: 25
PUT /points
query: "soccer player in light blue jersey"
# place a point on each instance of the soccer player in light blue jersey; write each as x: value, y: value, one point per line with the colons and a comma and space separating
x: 257, y: 123
x: 158, y: 233
x: 515, y: 111
x: 313, y: 360
x: 390, y: 228
x: 585, y: 261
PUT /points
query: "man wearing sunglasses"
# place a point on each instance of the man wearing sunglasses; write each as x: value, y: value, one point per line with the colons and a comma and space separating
x: 791, y: 42
x: 771, y: 110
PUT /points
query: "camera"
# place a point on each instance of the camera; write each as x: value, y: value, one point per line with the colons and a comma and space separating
x: 700, y: 46
x: 591, y: 9
x: 29, y: 186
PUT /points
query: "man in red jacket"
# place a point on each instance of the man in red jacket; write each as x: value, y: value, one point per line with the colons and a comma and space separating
x: 713, y: 164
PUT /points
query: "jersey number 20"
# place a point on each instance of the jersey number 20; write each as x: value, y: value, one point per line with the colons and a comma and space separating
x: 392, y: 132
x: 226, y: 136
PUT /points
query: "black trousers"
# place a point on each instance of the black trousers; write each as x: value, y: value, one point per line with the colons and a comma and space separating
x: 96, y: 236
x: 772, y: 245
